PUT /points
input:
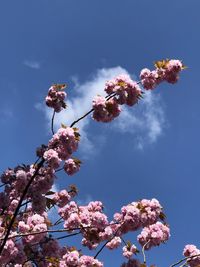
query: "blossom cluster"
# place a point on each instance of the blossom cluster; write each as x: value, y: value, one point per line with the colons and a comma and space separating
x: 166, y: 70
x: 154, y: 235
x: 123, y: 90
x: 95, y: 226
x: 56, y: 96
x: 193, y: 252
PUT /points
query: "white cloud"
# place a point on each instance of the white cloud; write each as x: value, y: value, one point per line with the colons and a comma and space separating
x: 144, y: 121
x: 32, y: 64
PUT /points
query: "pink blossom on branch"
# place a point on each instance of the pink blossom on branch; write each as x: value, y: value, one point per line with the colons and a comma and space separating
x: 192, y: 251
x: 56, y: 96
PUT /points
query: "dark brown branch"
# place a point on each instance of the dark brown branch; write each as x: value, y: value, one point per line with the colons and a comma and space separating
x: 65, y: 236
x: 102, y: 248
x: 52, y: 122
x: 185, y: 259
x: 40, y: 164
x: 86, y: 114
x: 114, y: 235
x: 43, y: 232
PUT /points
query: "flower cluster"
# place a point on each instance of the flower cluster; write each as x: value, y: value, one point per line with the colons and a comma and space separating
x: 72, y: 166
x: 62, y: 198
x: 126, y: 90
x: 34, y: 223
x: 138, y: 214
x: 193, y: 252
x: 129, y: 250
x: 95, y: 227
x: 154, y: 235
x: 13, y: 252
x: 121, y: 90
x: 56, y: 96
x: 74, y: 259
x: 64, y: 142
x: 105, y: 111
x: 166, y: 70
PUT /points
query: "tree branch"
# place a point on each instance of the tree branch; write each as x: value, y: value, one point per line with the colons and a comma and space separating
x: 143, y: 248
x: 52, y: 122
x: 40, y: 164
x: 185, y: 259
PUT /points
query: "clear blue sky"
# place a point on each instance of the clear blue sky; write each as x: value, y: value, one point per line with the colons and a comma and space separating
x: 46, y: 41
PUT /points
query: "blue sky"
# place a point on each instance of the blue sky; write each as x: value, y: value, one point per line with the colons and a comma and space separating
x: 153, y: 149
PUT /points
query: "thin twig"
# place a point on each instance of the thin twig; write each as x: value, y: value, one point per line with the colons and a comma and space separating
x: 58, y: 170
x: 40, y: 232
x: 53, y: 231
x: 102, y: 248
x: 52, y: 122
x: 65, y: 236
x: 58, y: 221
x: 185, y: 259
x: 114, y: 235
x: 86, y: 114
x: 143, y: 248
x: 123, y: 241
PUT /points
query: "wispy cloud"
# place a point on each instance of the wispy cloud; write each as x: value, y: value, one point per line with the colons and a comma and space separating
x: 6, y: 114
x: 32, y: 64
x: 145, y: 121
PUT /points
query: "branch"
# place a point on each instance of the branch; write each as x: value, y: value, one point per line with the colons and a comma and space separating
x: 86, y: 114
x: 185, y: 259
x: 52, y: 122
x: 107, y: 241
x: 53, y: 231
x: 65, y: 236
x: 40, y: 164
x: 102, y: 248
x: 43, y: 232
x: 143, y: 248
x: 90, y: 111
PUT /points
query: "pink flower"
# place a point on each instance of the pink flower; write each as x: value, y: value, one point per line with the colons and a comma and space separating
x: 64, y: 142
x: 105, y: 111
x: 154, y: 235
x: 61, y: 198
x: 72, y: 166
x: 191, y: 251
x: 51, y: 157
x: 149, y: 79
x: 128, y: 251
x: 126, y: 90
x: 114, y: 243
x: 56, y: 97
